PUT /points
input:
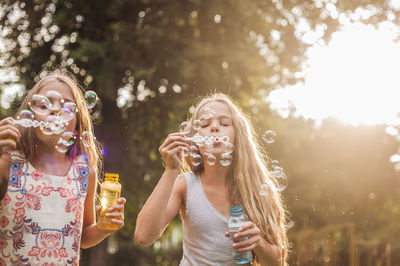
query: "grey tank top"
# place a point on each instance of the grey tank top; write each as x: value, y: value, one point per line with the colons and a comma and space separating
x: 204, y: 240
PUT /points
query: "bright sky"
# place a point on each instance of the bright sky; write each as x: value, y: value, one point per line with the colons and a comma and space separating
x: 355, y: 78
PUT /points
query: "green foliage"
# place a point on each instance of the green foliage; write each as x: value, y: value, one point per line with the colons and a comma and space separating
x: 162, y: 55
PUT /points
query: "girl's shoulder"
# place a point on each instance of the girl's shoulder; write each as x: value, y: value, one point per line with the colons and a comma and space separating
x: 186, y: 181
x: 181, y: 182
x: 188, y: 175
x: 187, y: 178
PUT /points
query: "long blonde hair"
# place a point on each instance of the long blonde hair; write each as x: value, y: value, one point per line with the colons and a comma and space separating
x: 83, y: 121
x: 248, y: 173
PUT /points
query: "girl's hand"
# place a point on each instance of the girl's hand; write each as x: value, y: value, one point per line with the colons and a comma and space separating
x: 9, y: 135
x: 250, y: 230
x: 116, y: 212
x: 171, y: 150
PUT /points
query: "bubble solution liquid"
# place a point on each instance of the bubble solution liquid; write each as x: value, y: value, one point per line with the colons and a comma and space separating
x: 110, y: 191
x: 235, y: 221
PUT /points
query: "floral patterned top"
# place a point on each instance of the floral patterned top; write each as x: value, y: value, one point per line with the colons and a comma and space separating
x: 41, y: 215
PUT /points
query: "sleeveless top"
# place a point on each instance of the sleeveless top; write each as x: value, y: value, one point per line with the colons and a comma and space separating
x: 204, y: 240
x: 41, y: 215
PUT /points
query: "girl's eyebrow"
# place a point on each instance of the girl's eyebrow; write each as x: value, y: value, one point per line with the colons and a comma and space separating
x: 216, y: 116
x: 224, y: 116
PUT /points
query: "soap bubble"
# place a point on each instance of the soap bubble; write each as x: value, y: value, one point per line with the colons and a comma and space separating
x: 224, y: 139
x: 391, y: 130
x: 67, y: 138
x: 225, y: 159
x: 194, y: 150
x: 71, y: 106
x: 281, y: 180
x: 61, y: 148
x: 86, y: 138
x: 184, y: 128
x: 208, y: 113
x: 395, y: 158
x: 277, y: 168
x: 264, y: 190
x: 46, y: 130
x: 209, y: 143
x: 274, y: 162
x: 56, y: 100
x: 198, y: 139
x: 25, y: 114
x: 196, y: 160
x: 228, y: 147
x: 66, y: 114
x: 91, y: 99
x: 185, y: 152
x: 196, y: 124
x: 269, y: 136
x: 55, y: 125
x: 40, y: 104
x: 211, y: 159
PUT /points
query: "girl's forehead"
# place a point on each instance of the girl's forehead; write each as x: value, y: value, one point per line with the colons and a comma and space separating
x: 60, y: 87
x: 218, y: 107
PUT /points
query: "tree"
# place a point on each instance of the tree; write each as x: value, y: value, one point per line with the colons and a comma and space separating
x: 148, y: 61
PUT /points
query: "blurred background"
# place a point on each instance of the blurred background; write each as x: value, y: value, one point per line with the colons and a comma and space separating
x: 322, y: 74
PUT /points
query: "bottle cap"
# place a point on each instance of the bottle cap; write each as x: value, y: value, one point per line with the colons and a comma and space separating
x: 111, y: 177
x: 236, y: 210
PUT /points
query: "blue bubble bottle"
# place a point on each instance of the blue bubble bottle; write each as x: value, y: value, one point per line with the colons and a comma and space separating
x: 235, y: 221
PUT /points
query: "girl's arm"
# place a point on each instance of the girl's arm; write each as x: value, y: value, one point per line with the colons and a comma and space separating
x: 167, y: 197
x: 9, y: 136
x: 4, y: 173
x: 267, y: 253
x: 91, y: 234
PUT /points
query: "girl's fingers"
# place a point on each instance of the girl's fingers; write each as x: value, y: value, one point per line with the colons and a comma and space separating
x: 251, y: 241
x: 9, y: 132
x: 5, y: 121
x: 7, y: 144
x: 174, y: 136
x: 249, y: 248
x: 119, y: 222
x: 246, y: 225
x: 171, y: 138
x: 251, y: 232
x: 174, y: 144
x: 177, y: 152
x: 121, y: 200
x: 117, y: 215
x: 9, y: 123
x: 116, y: 208
x: 173, y: 151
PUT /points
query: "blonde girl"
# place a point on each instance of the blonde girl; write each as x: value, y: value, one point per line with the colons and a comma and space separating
x: 204, y: 194
x: 47, y: 210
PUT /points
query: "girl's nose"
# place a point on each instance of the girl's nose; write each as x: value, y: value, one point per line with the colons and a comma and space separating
x: 214, y: 127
